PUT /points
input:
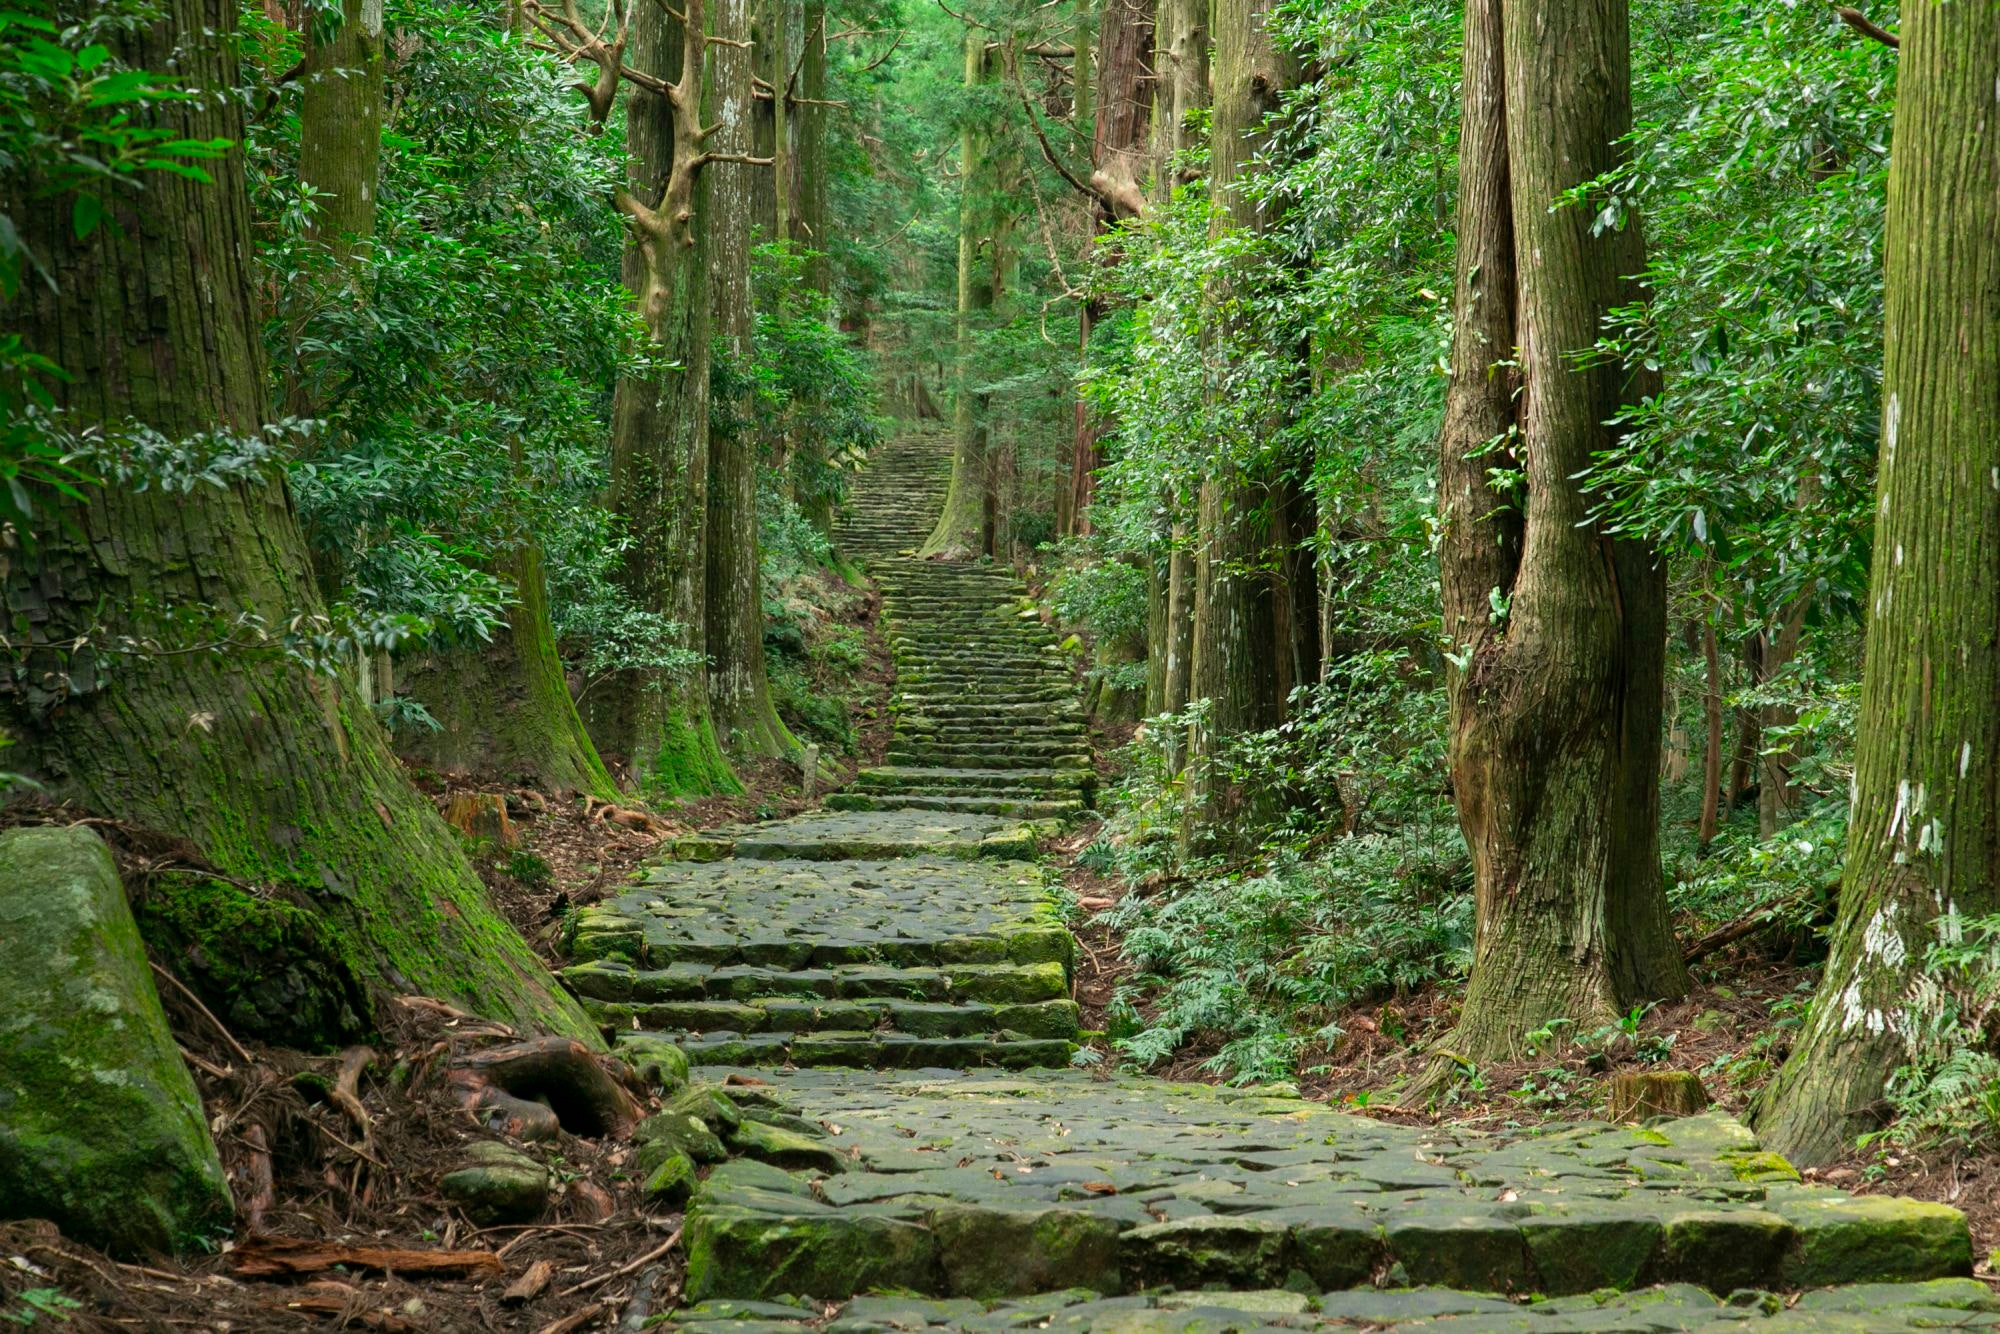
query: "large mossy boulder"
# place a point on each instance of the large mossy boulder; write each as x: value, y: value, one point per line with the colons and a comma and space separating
x: 101, y: 1130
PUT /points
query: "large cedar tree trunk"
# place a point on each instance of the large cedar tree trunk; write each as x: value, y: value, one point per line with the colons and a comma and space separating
x: 660, y: 435
x: 1555, y: 715
x: 962, y: 528
x: 1924, y: 838
x: 1234, y: 670
x: 277, y: 775
x: 1180, y: 89
x: 504, y: 708
x: 739, y: 695
x: 340, y: 124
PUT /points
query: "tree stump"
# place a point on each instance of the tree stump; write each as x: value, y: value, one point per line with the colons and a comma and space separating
x: 482, y: 815
x: 1657, y: 1093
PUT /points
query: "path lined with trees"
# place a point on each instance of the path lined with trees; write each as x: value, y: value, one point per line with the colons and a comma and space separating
x: 1473, y: 514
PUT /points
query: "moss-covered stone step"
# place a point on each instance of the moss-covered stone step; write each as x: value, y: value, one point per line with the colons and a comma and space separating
x: 988, y: 1187
x: 981, y: 756
x: 910, y: 912
x: 1949, y: 1303
x: 1020, y: 807
x: 897, y: 778
x: 992, y: 983
x: 820, y: 1014
x: 860, y: 836
x: 873, y: 1050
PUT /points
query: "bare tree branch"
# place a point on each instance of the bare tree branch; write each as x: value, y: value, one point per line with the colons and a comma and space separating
x: 1859, y: 21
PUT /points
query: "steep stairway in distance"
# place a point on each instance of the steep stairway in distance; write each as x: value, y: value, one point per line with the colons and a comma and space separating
x: 987, y: 716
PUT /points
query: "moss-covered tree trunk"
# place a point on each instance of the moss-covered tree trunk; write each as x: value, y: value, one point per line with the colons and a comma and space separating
x: 1233, y: 673
x: 504, y: 709
x: 1556, y: 710
x: 659, y: 721
x: 962, y: 526
x: 274, y: 772
x: 739, y: 695
x: 1924, y: 837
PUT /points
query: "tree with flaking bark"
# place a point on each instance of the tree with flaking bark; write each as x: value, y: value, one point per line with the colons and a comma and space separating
x: 1557, y: 630
x: 266, y: 765
x: 1232, y: 673
x: 1924, y: 832
x: 660, y: 721
x: 739, y: 695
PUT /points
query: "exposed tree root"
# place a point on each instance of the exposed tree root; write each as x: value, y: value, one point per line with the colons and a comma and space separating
x: 534, y: 1089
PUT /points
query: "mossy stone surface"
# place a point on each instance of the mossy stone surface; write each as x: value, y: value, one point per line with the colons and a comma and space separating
x: 739, y: 1254
x: 101, y: 1129
x: 497, y: 1184
x: 991, y: 1251
x: 1870, y: 1238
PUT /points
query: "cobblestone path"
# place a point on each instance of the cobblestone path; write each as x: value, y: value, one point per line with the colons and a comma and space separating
x: 901, y: 1142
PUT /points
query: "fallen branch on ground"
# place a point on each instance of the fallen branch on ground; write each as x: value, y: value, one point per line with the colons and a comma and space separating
x: 268, y: 1257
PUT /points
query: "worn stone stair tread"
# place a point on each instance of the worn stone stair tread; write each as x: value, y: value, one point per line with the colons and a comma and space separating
x: 898, y: 776
x: 862, y: 835
x: 1948, y: 1303
x: 871, y: 1050
x: 993, y: 983
x: 1024, y: 807
x: 999, y: 1185
x: 795, y: 1014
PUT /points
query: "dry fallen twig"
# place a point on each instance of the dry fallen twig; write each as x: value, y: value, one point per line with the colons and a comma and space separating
x: 277, y: 1256
x: 620, y: 1272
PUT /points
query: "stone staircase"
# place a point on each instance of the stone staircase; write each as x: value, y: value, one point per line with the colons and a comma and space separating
x: 906, y: 925
x: 882, y: 992
x: 987, y: 715
x: 897, y: 498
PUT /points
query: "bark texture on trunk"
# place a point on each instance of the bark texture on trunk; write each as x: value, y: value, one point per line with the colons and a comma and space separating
x: 1180, y: 88
x: 1556, y: 710
x: 660, y: 723
x: 340, y: 125
x: 739, y: 695
x: 811, y: 219
x: 1924, y: 837
x: 277, y: 775
x: 963, y: 527
x: 1234, y: 670
x: 504, y: 708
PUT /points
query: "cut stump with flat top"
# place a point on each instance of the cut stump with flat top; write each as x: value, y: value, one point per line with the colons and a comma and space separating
x: 1657, y: 1093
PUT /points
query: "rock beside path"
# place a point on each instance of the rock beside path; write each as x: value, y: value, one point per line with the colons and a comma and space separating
x: 101, y: 1130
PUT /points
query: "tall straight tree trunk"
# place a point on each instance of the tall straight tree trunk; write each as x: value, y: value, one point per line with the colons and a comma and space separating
x: 1121, y: 140
x: 1711, y: 752
x: 1180, y: 89
x: 810, y: 222
x: 739, y: 695
x: 340, y: 124
x: 962, y: 528
x: 274, y: 772
x: 660, y: 722
x: 1924, y: 837
x: 1234, y: 671
x: 1560, y: 629
x: 1178, y: 644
